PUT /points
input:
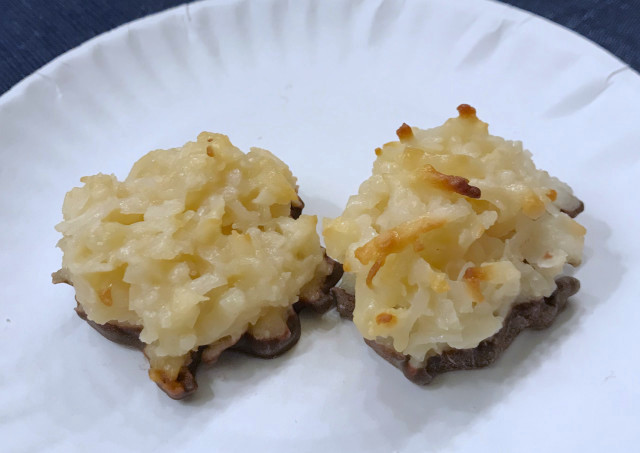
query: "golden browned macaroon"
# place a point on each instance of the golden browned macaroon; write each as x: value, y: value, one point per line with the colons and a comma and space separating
x: 200, y: 249
x: 455, y: 244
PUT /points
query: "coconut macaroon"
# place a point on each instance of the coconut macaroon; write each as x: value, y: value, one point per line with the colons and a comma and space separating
x: 199, y: 249
x: 453, y: 246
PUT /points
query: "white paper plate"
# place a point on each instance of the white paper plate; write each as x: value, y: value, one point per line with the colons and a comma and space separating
x: 321, y: 84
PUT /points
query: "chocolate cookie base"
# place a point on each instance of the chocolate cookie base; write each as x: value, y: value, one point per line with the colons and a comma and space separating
x: 536, y: 315
x: 345, y: 302
x: 186, y: 383
x: 321, y: 300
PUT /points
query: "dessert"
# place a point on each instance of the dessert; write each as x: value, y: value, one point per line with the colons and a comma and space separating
x: 200, y: 249
x: 455, y: 244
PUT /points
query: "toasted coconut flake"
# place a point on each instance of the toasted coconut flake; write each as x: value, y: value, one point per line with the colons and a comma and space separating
x: 386, y: 319
x: 452, y: 183
x: 404, y: 132
x: 393, y: 241
x: 396, y: 239
x: 473, y: 276
x: 466, y: 111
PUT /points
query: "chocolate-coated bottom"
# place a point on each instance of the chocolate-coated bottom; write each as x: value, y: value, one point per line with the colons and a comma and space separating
x: 536, y: 315
x: 185, y: 384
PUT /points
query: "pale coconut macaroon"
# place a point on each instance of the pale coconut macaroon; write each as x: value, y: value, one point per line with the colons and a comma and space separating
x: 455, y: 244
x: 200, y: 249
